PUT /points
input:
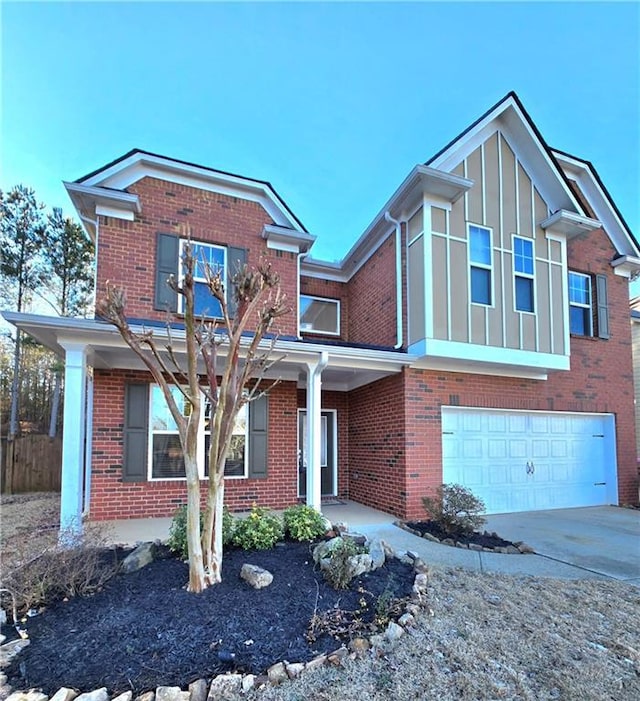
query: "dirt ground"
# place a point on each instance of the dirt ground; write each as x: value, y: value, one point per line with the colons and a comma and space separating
x: 482, y: 637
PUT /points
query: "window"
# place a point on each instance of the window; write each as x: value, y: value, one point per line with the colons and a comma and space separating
x: 523, y: 267
x: 580, y: 305
x: 319, y: 315
x: 480, y: 256
x: 216, y: 257
x: 167, y: 461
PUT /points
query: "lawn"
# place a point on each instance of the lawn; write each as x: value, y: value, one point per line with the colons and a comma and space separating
x: 482, y: 637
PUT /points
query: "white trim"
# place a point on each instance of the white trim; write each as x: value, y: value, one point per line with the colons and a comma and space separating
x: 139, y: 165
x: 290, y: 240
x: 582, y: 305
x: 334, y: 466
x: 427, y: 250
x: 314, y: 331
x: 196, y: 278
x: 570, y: 224
x: 482, y: 266
x: 516, y: 274
x: 114, y: 212
x: 626, y: 266
x: 478, y: 353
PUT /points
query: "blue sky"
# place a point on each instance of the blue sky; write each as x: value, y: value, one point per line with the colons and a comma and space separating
x: 333, y: 103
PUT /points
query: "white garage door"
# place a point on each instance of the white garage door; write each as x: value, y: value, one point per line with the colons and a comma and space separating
x: 524, y: 461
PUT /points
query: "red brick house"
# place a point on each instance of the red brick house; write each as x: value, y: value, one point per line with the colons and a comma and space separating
x: 477, y: 332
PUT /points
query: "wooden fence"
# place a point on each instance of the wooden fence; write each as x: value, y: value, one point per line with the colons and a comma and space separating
x: 31, y: 463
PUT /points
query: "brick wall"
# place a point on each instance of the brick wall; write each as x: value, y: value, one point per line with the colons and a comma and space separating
x: 372, y: 299
x: 111, y: 498
x: 126, y: 252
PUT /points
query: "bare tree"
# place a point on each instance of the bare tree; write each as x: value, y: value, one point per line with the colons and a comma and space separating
x: 258, y: 303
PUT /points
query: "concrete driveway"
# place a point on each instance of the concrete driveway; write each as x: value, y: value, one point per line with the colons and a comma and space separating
x: 603, y: 540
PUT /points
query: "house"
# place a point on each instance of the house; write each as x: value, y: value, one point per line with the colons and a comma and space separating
x: 477, y: 332
x: 635, y: 349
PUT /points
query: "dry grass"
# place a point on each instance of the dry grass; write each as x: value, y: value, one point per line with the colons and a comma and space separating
x: 489, y: 636
x: 499, y: 637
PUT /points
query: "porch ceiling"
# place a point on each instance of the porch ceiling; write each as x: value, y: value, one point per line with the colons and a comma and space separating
x: 347, y: 368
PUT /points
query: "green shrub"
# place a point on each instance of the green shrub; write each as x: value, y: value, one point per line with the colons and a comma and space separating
x: 303, y: 523
x: 339, y: 571
x: 456, y: 509
x: 177, y: 541
x: 260, y: 530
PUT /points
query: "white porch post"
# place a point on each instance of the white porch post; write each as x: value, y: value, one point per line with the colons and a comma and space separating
x: 71, y: 501
x: 314, y: 430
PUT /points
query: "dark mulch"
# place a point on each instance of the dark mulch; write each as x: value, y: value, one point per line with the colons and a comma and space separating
x: 144, y: 630
x: 486, y: 540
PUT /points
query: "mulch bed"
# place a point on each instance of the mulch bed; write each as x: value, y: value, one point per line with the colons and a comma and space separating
x: 484, y: 539
x: 145, y: 630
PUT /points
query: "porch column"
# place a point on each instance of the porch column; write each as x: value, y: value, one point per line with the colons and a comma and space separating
x: 314, y: 430
x: 71, y: 500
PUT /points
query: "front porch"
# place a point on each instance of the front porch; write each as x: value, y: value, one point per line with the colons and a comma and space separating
x: 129, y: 532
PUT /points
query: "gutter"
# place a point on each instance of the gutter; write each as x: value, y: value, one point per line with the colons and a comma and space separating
x: 399, y: 333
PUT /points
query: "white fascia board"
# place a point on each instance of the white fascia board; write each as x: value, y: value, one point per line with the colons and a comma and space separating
x: 509, y: 120
x: 322, y: 270
x: 285, y: 239
x: 139, y: 165
x: 90, y: 201
x: 482, y: 358
x: 580, y: 172
x: 570, y: 224
x: 626, y: 266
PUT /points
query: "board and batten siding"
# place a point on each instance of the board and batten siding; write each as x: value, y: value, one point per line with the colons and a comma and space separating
x: 504, y: 199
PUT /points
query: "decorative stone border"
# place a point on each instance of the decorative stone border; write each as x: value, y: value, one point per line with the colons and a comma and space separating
x: 518, y: 548
x: 222, y: 685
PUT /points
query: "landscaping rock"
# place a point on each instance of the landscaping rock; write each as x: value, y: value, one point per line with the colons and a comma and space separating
x: 9, y: 650
x: 256, y: 576
x: 95, y: 695
x: 224, y: 686
x: 420, y: 566
x: 3, y: 616
x: 340, y: 527
x: 359, y: 564
x: 323, y: 550
x: 357, y: 538
x: 432, y: 538
x: 377, y: 554
x: 277, y: 673
x: 406, y: 620
x: 198, y: 690
x: 139, y: 558
x: 524, y: 548
x: 359, y: 645
x: 377, y: 640
x: 248, y: 682
x: 294, y: 669
x: 171, y: 693
x: 316, y: 662
x: 393, y: 632
x: 31, y: 695
x: 124, y: 696
x: 65, y: 694
x: 336, y: 658
x: 475, y: 546
x: 420, y: 583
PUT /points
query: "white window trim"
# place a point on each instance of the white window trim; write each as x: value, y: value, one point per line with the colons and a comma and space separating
x: 195, y: 277
x: 517, y: 274
x: 580, y: 304
x: 320, y: 299
x: 199, y: 451
x: 483, y: 266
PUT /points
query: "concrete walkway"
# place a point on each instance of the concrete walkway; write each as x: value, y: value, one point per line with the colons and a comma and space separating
x: 592, y: 543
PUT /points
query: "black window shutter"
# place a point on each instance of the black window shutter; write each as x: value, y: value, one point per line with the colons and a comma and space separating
x: 258, y: 444
x: 236, y: 258
x: 603, y: 306
x: 167, y: 251
x: 135, y: 433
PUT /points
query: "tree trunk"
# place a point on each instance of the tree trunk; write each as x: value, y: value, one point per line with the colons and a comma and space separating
x: 55, y: 403
x: 212, y: 529
x: 15, y: 383
x: 197, y: 578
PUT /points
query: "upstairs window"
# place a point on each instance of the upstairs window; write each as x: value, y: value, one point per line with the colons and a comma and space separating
x: 480, y: 264
x: 580, y: 304
x: 319, y: 315
x: 216, y: 257
x: 523, y: 269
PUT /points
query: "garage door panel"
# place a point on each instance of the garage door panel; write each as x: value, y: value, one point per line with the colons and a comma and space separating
x: 538, y: 460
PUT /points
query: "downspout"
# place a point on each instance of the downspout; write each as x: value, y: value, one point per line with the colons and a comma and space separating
x: 96, y: 225
x: 314, y: 429
x: 298, y: 258
x: 399, y: 333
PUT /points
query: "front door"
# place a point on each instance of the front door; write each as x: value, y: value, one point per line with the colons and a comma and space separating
x: 327, y: 453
